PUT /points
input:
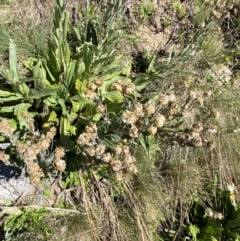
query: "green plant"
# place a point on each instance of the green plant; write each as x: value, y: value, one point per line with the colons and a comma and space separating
x: 221, y: 221
x: 23, y: 225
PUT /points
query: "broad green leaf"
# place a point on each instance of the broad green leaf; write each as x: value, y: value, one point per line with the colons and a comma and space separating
x: 97, y: 117
x: 24, y: 89
x: 81, y: 68
x: 66, y: 131
x: 34, y: 94
x: 212, y: 227
x: 78, y: 102
x: 63, y: 92
x: 63, y: 105
x: 53, y: 117
x: 11, y: 98
x: 7, y: 109
x: 5, y: 92
x: 114, y: 96
x: 114, y: 108
x: 50, y: 101
x: 194, y: 230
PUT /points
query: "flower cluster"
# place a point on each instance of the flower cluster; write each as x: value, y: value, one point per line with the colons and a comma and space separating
x: 58, y: 161
x: 147, y: 117
x: 92, y: 88
x: 119, y: 160
x: 125, y: 88
x: 195, y: 138
x: 29, y: 154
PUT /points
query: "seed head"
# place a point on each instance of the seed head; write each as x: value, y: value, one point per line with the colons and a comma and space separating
x: 51, y: 133
x: 149, y: 108
x: 5, y: 129
x: 138, y: 110
x: 83, y: 139
x: 106, y: 157
x: 118, y: 86
x: 100, y: 149
x: 128, y: 88
x: 215, y: 114
x: 125, y: 150
x: 152, y: 130
x: 91, y: 151
x: 4, y: 157
x: 172, y: 96
x: 159, y: 120
x: 116, y: 165
x: 90, y: 94
x: 60, y: 164
x: 101, y: 108
x: 197, y: 127
x: 129, y: 117
x: 118, y: 149
x: 92, y: 86
x: 98, y: 82
x: 133, y: 132
x: 163, y: 99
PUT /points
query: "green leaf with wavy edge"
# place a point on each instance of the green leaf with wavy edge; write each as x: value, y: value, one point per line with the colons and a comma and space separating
x: 53, y: 118
x: 18, y: 110
x: 194, y: 230
x: 11, y: 98
x: 114, y: 96
x: 6, y: 92
x: 63, y: 105
x: 78, y: 102
x: 42, y: 93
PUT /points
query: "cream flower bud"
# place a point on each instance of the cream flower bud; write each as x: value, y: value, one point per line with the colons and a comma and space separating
x: 163, y: 99
x: 101, y: 108
x: 125, y: 150
x: 152, y: 130
x: 172, y: 97
x: 83, y: 139
x: 100, y: 149
x: 129, y: 88
x: 106, y: 157
x: 129, y: 117
x: 90, y: 94
x: 116, y: 165
x: 118, y: 149
x: 91, y: 151
x: 133, y: 132
x: 197, y: 127
x: 92, y: 86
x: 60, y: 165
x: 117, y: 86
x: 149, y: 108
x: 159, y: 120
x: 98, y: 82
x: 138, y: 110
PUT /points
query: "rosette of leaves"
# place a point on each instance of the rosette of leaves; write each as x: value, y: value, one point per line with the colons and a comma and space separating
x: 66, y: 86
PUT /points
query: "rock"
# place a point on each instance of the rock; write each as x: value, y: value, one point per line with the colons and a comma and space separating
x: 14, y: 186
